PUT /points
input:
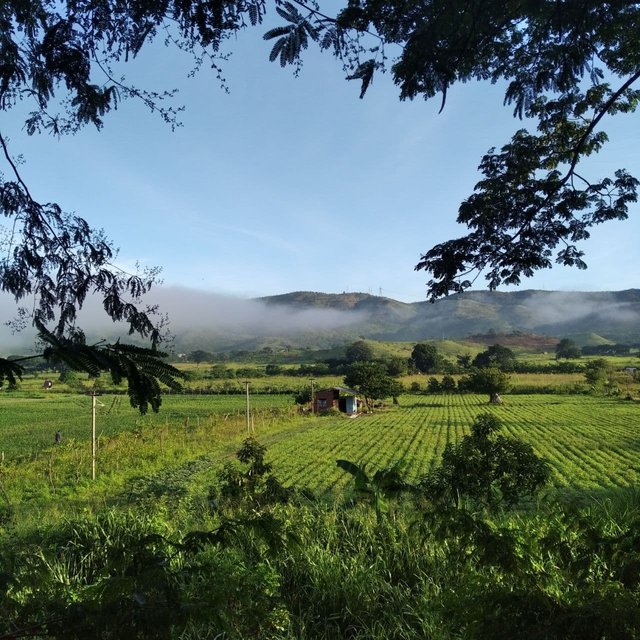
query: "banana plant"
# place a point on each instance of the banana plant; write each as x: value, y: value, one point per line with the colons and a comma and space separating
x: 384, y: 483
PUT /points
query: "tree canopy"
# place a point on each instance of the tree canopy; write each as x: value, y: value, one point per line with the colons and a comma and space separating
x: 568, y: 349
x: 565, y: 66
x: 496, y: 356
x: 487, y: 468
x: 424, y: 357
x: 490, y: 380
x: 359, y: 351
x: 372, y: 381
x: 597, y: 373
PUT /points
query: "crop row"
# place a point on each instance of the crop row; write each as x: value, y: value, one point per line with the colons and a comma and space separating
x: 590, y: 443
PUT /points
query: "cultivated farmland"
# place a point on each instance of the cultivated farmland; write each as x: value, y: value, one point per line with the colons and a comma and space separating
x: 592, y: 443
x: 171, y: 536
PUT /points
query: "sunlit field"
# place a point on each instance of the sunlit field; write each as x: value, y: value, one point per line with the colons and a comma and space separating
x: 592, y: 443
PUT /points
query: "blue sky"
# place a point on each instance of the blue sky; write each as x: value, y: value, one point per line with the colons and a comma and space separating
x: 291, y: 183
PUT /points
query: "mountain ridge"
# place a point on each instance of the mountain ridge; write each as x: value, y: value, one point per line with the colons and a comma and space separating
x: 614, y: 315
x: 317, y: 320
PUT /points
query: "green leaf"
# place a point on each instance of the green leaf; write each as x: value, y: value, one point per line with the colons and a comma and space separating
x: 359, y: 475
x: 10, y: 371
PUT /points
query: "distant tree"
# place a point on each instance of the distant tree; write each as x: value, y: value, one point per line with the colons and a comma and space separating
x: 492, y: 381
x: 397, y: 366
x: 597, y: 373
x: 487, y: 468
x: 221, y: 372
x: 371, y: 380
x: 433, y: 385
x: 567, y: 349
x: 424, y: 357
x: 199, y: 356
x: 273, y: 369
x: 303, y: 396
x: 359, y: 351
x: 464, y: 361
x: 496, y: 356
x: 396, y: 389
x: 249, y: 372
x: 608, y: 349
x: 446, y: 366
x: 316, y: 369
x: 448, y: 384
x: 334, y: 366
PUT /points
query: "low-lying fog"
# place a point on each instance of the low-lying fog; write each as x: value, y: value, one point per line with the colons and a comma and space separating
x: 193, y: 311
x: 199, y: 317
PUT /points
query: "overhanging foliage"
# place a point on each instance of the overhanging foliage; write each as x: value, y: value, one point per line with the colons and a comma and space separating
x: 566, y: 66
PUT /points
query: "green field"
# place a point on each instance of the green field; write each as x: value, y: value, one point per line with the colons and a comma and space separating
x: 592, y: 443
x: 154, y: 548
x: 28, y: 422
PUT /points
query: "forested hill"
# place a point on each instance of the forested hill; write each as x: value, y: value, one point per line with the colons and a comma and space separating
x: 614, y: 315
x: 202, y: 320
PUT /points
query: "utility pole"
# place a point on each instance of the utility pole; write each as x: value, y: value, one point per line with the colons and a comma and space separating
x: 93, y: 435
x: 313, y: 404
x: 248, y: 412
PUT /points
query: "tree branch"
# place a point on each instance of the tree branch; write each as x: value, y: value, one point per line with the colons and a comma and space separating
x: 15, y: 168
x: 607, y: 105
x: 42, y: 219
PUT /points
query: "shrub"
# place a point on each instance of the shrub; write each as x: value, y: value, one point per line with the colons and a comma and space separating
x: 486, y: 468
x: 448, y: 384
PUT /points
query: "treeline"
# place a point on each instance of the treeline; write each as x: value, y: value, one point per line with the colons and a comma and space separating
x: 424, y: 358
x: 224, y: 372
x: 610, y: 349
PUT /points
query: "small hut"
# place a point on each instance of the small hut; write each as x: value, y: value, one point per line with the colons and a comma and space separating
x: 341, y: 398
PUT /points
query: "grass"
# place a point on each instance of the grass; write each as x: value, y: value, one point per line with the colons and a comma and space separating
x: 115, y: 549
x: 591, y: 443
x: 28, y: 423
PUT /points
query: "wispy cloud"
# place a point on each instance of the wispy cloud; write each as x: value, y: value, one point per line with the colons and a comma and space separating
x: 267, y: 238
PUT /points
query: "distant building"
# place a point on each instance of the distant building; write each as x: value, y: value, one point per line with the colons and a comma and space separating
x: 341, y: 398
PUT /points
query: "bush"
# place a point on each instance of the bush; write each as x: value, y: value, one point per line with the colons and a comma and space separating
x: 448, y: 384
x: 330, y: 412
x: 303, y: 396
x: 486, y: 468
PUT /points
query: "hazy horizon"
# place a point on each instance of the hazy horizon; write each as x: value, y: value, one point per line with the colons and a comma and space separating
x: 192, y: 311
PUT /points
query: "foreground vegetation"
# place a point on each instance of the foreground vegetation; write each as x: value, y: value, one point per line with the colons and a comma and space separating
x: 177, y: 539
x: 213, y: 550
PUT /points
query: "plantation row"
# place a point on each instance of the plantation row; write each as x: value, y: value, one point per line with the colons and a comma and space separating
x: 591, y: 443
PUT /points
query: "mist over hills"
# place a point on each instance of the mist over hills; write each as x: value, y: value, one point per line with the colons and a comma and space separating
x: 613, y: 315
x: 204, y: 320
